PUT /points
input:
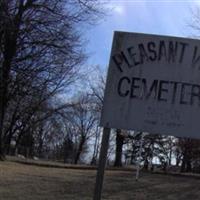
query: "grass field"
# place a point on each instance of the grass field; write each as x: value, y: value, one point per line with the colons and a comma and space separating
x: 26, y: 182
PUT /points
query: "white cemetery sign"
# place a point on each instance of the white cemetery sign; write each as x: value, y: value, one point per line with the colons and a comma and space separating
x: 153, y: 85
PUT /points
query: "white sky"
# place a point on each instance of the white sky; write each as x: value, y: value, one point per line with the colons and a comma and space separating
x: 163, y: 17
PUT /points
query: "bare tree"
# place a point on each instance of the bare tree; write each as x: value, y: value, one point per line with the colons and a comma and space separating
x: 40, y: 49
x: 83, y: 120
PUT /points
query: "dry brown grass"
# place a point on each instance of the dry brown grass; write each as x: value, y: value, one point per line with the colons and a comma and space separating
x: 26, y: 182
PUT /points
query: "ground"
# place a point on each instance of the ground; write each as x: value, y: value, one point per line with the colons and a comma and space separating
x: 27, y: 182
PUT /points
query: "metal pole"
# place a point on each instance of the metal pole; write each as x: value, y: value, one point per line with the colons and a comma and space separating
x: 140, y: 154
x: 102, y: 163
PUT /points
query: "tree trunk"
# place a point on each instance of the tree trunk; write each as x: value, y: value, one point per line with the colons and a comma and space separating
x: 146, y: 164
x: 7, y: 144
x: 2, y: 155
x: 9, y: 40
x: 119, y: 146
x: 1, y: 137
x: 94, y: 157
x: 188, y: 166
x: 80, y: 149
x: 170, y: 158
x: 183, y: 165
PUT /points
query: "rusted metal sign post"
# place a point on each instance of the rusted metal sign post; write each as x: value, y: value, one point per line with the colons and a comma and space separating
x: 153, y: 85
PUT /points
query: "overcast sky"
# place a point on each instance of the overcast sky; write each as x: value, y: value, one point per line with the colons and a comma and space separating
x: 162, y: 17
